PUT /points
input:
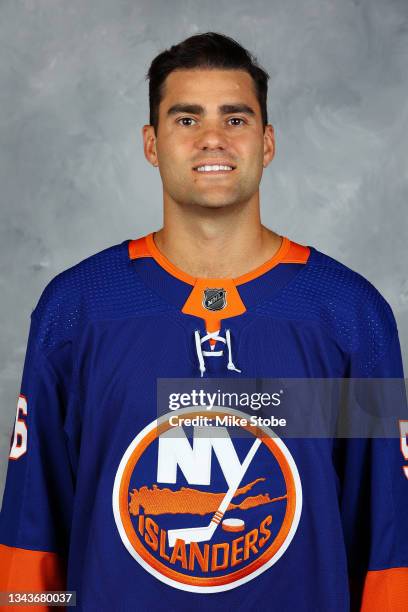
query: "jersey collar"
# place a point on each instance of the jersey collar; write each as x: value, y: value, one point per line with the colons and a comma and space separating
x: 288, y: 252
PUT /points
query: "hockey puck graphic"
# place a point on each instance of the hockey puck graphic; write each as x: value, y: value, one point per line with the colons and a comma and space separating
x: 233, y: 524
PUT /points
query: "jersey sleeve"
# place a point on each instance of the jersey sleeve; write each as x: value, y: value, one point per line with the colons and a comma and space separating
x: 38, y: 497
x: 374, y: 501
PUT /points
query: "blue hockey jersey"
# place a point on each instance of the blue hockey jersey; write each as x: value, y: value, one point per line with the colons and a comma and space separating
x: 100, y: 499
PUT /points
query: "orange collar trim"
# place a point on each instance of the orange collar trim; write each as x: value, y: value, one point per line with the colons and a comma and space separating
x: 288, y: 252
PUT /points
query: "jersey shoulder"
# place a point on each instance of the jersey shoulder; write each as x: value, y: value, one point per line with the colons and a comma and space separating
x: 346, y: 305
x: 345, y: 290
x: 101, y: 286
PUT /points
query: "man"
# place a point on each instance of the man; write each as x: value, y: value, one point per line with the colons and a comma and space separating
x: 100, y: 498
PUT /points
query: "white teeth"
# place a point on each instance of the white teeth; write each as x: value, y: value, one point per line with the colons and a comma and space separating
x: 214, y: 168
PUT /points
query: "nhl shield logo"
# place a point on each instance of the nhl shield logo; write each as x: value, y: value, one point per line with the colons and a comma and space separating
x: 214, y: 299
x: 204, y: 512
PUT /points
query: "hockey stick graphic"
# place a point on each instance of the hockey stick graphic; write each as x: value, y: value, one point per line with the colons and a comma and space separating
x: 203, y: 534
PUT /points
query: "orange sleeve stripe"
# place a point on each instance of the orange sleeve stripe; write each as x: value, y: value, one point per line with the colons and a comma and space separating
x: 30, y: 570
x: 386, y: 590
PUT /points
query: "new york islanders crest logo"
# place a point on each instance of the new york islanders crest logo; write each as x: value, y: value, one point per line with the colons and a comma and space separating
x: 202, y: 510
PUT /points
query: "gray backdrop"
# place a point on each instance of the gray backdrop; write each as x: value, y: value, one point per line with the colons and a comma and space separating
x: 73, y: 99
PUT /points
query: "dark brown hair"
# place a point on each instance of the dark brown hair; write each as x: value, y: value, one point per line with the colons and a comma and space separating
x: 208, y: 50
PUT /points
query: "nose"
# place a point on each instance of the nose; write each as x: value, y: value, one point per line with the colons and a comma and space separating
x: 211, y: 138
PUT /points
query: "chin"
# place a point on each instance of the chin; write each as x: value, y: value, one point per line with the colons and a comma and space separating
x: 208, y: 204
x: 219, y: 200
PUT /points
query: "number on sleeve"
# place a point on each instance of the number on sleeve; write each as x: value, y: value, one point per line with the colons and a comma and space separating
x: 19, y: 445
x: 404, y: 443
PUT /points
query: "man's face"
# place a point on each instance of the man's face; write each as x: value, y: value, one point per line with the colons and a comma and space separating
x: 209, y: 117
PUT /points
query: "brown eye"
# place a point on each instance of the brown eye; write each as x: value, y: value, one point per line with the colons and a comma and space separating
x: 237, y: 119
x: 185, y: 119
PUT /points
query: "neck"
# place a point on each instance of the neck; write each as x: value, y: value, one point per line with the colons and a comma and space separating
x: 216, y: 243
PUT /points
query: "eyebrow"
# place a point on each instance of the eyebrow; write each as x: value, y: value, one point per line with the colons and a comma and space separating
x: 197, y: 109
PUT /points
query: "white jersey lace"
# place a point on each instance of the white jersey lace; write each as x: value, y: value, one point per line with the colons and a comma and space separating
x: 202, y: 353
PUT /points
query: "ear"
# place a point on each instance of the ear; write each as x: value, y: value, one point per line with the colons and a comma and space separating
x: 149, y: 144
x: 269, y: 145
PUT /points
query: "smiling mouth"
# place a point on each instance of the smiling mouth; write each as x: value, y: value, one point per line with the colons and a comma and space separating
x: 214, y: 169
